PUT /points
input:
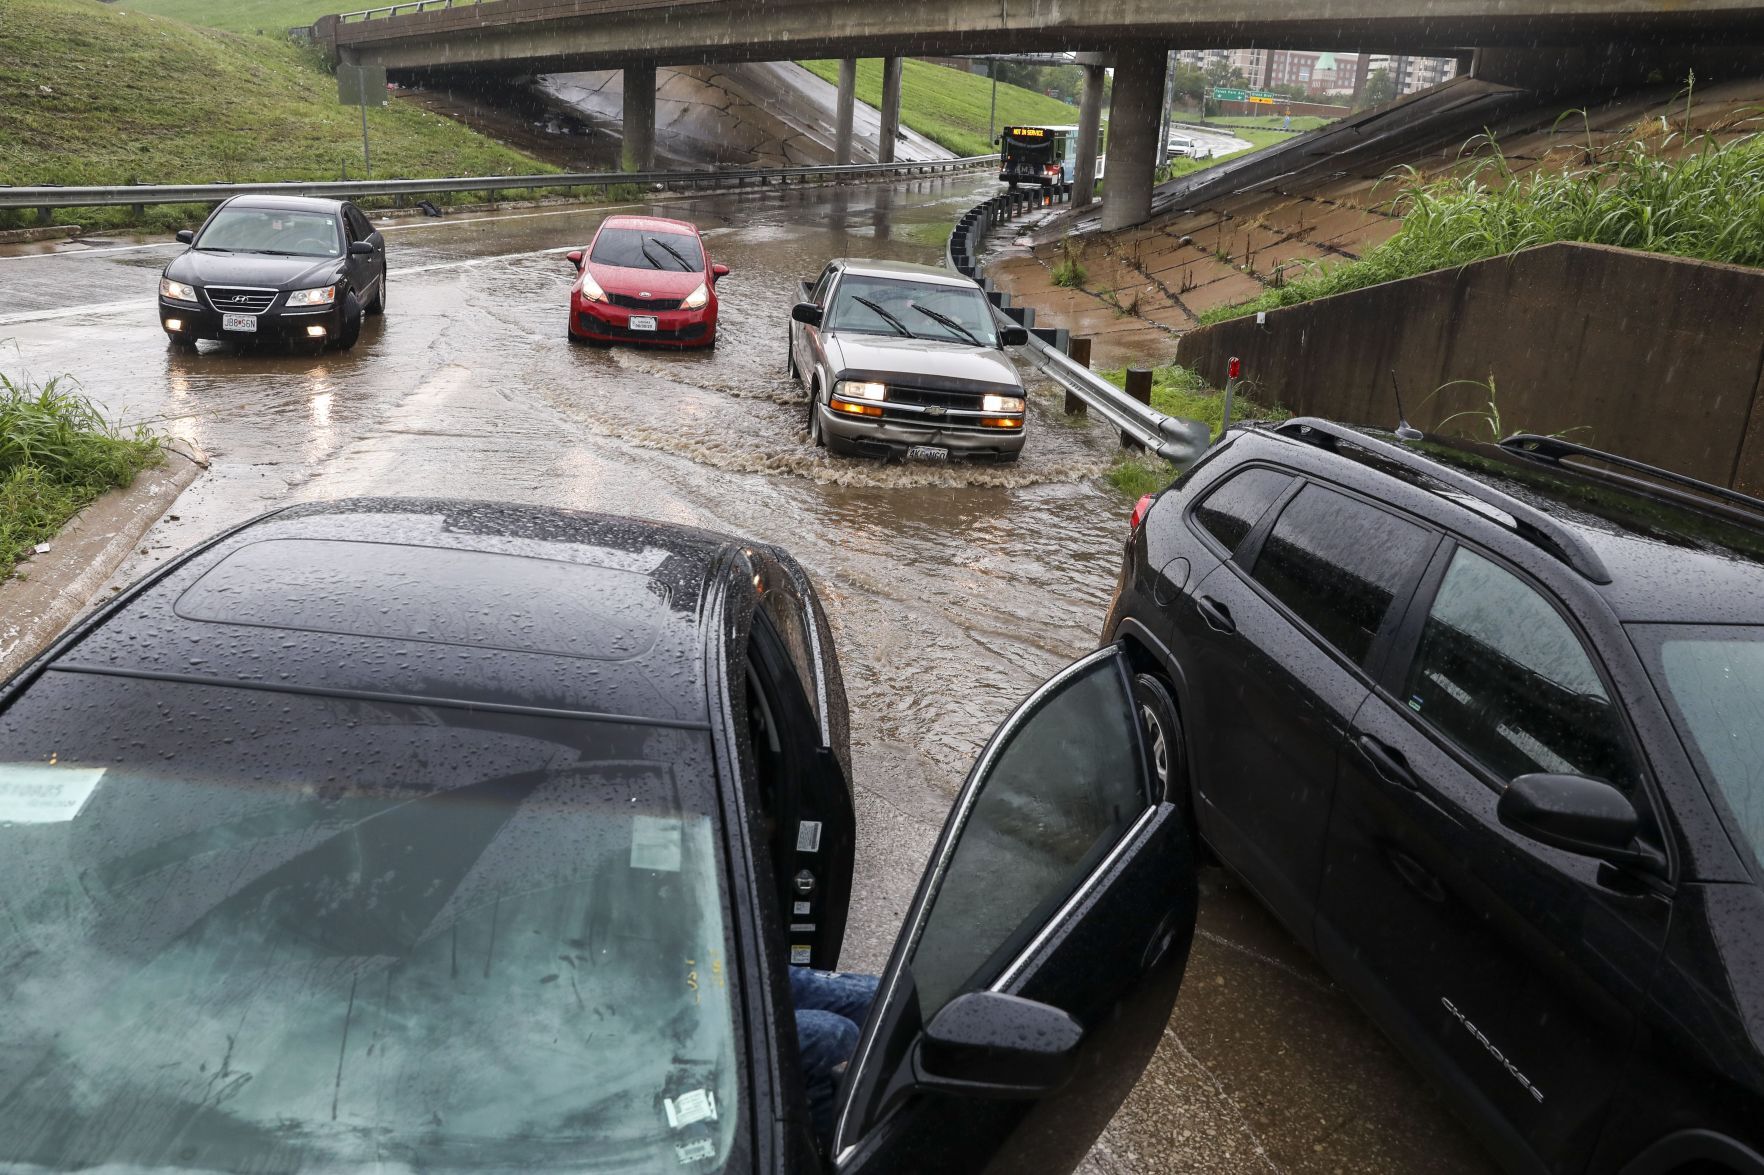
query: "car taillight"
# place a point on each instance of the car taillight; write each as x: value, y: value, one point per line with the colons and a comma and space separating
x: 1138, y: 515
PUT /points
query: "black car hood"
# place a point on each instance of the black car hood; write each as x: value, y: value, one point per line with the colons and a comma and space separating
x: 252, y: 269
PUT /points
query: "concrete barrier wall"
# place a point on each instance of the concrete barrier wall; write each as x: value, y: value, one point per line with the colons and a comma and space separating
x: 1658, y: 358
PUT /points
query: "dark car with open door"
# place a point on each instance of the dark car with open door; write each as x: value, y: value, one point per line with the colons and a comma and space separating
x: 446, y: 835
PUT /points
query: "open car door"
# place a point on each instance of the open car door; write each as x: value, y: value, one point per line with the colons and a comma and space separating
x: 1037, y: 967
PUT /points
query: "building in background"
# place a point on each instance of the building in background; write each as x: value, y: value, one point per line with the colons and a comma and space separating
x: 1323, y: 74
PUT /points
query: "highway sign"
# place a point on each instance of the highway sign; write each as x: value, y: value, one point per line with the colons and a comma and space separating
x: 1222, y: 94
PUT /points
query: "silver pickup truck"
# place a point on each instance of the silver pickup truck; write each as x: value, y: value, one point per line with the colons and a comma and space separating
x: 905, y: 360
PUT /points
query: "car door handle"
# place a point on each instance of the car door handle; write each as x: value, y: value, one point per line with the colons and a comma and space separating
x: 1217, y: 615
x: 1387, y: 762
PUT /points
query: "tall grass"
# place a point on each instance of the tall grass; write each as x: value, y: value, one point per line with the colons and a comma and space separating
x: 57, y: 453
x: 1706, y: 203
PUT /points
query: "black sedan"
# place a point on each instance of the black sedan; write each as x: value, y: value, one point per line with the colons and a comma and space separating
x: 287, y: 268
x: 440, y: 835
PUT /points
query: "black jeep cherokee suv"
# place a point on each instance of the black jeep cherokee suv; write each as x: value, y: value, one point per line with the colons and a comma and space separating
x: 1484, y: 726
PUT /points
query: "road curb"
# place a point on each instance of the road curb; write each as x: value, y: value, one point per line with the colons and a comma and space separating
x: 60, y: 584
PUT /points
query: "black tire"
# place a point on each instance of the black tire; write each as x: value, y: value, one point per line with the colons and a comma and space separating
x: 574, y: 338
x: 1009, y: 458
x: 180, y: 343
x: 351, y: 328
x: 814, y: 419
x: 1164, y: 740
x: 378, y: 305
x: 840, y: 447
x: 790, y: 363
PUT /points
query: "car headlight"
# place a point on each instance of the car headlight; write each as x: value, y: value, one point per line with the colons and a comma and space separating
x: 696, y: 298
x: 1001, y: 404
x: 323, y: 296
x: 591, y: 291
x: 847, y: 389
x: 176, y: 291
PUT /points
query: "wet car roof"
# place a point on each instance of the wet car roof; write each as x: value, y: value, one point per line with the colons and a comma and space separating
x: 447, y: 601
x: 649, y: 222
x: 287, y: 203
x: 931, y: 275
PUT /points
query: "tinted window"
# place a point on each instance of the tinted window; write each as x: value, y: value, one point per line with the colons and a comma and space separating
x: 1501, y: 674
x: 1232, y: 509
x: 647, y: 249
x: 1338, y: 563
x: 272, y: 230
x: 247, y: 930
x: 1064, y: 785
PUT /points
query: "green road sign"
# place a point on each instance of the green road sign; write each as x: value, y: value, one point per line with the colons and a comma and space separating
x: 1221, y: 94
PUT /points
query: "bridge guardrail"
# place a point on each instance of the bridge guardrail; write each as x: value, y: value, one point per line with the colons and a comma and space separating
x: 138, y: 195
x: 1176, y: 439
x: 409, y: 7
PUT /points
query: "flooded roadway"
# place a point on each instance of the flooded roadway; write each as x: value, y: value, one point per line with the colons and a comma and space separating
x: 953, y: 589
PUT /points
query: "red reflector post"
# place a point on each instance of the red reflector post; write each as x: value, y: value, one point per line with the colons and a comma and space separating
x: 1235, y: 368
x: 1138, y: 515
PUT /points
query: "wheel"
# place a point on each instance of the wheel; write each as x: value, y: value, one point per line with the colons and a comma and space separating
x: 180, y: 342
x: 1009, y: 458
x: 351, y: 329
x: 790, y: 363
x: 840, y: 447
x: 378, y: 305
x: 1163, y: 738
x: 814, y: 420
x: 573, y: 337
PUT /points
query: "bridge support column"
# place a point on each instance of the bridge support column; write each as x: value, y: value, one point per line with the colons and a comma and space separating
x: 890, y: 109
x: 639, y: 117
x: 844, y: 109
x: 1089, y: 129
x: 1133, y: 135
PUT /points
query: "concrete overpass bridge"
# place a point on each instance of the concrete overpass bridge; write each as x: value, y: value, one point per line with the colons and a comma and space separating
x: 1523, y: 38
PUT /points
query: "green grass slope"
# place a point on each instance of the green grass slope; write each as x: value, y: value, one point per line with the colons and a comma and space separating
x: 950, y: 106
x: 96, y: 94
x: 247, y: 16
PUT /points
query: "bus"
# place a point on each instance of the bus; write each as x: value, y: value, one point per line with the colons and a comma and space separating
x: 1040, y: 155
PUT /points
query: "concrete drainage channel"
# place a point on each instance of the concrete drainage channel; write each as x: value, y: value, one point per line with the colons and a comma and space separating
x: 1065, y: 359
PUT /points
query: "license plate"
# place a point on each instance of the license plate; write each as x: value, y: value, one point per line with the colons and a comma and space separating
x: 245, y: 322
x: 642, y: 322
x: 927, y: 453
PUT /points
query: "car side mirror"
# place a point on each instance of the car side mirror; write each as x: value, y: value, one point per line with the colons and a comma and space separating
x: 361, y: 248
x: 1577, y: 814
x: 806, y: 313
x: 574, y: 257
x: 719, y: 270
x: 1014, y: 336
x: 186, y: 236
x: 988, y: 1044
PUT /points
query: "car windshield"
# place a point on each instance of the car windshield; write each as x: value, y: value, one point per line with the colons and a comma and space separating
x: 866, y: 305
x: 1712, y: 677
x: 272, y: 230
x: 246, y: 930
x: 648, y: 249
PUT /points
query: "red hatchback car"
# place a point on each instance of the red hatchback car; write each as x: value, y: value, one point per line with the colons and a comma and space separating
x: 645, y: 279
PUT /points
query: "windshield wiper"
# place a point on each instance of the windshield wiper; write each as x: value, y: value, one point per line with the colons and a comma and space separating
x: 946, y: 320
x: 678, y: 256
x: 890, y: 319
x: 654, y: 261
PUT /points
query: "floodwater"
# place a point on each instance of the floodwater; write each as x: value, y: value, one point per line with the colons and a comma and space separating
x: 953, y: 589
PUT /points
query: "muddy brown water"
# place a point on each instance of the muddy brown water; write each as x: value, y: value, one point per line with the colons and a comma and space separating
x: 953, y: 589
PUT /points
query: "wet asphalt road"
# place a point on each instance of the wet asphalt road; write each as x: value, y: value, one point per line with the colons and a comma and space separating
x: 953, y: 590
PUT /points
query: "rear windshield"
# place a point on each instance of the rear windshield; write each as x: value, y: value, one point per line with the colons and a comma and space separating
x: 1712, y: 677
x: 274, y: 231
x: 643, y: 249
x: 252, y: 931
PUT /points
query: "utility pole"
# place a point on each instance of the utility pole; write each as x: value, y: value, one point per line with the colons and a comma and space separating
x: 992, y: 115
x: 1164, y: 119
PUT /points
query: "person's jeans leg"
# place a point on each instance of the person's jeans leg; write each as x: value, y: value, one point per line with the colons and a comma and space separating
x: 825, y: 1039
x: 846, y: 993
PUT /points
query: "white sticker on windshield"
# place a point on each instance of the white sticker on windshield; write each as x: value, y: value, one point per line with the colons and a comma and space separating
x: 808, y: 836
x: 692, y: 1152
x: 698, y: 1106
x: 655, y: 843
x: 36, y: 793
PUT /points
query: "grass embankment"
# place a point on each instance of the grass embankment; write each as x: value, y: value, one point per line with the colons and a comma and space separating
x: 94, y: 94
x: 1707, y: 204
x: 1178, y: 391
x: 1300, y: 122
x: 246, y: 16
x: 950, y: 106
x: 57, y: 453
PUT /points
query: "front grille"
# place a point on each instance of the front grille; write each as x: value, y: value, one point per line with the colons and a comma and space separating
x: 630, y: 303
x: 239, y: 299
x: 692, y: 330
x: 967, y: 401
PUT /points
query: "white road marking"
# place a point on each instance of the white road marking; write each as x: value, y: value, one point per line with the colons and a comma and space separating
x: 76, y: 311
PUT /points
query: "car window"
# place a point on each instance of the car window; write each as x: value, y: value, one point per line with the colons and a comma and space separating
x: 648, y: 249
x: 788, y: 621
x: 1231, y: 509
x: 818, y: 295
x: 359, y: 222
x: 1057, y: 792
x: 1714, y: 688
x: 241, y: 925
x: 1500, y: 673
x: 866, y: 304
x: 271, y: 230
x: 1338, y: 563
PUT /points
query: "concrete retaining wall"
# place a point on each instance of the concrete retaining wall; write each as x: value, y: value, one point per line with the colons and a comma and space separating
x: 1659, y: 358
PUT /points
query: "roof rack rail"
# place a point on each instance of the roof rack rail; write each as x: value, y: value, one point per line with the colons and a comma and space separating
x: 1530, y: 523
x: 1555, y: 449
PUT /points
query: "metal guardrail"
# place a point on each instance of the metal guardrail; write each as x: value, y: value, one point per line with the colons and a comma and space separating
x: 404, y: 9
x: 1176, y: 439
x: 138, y: 195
